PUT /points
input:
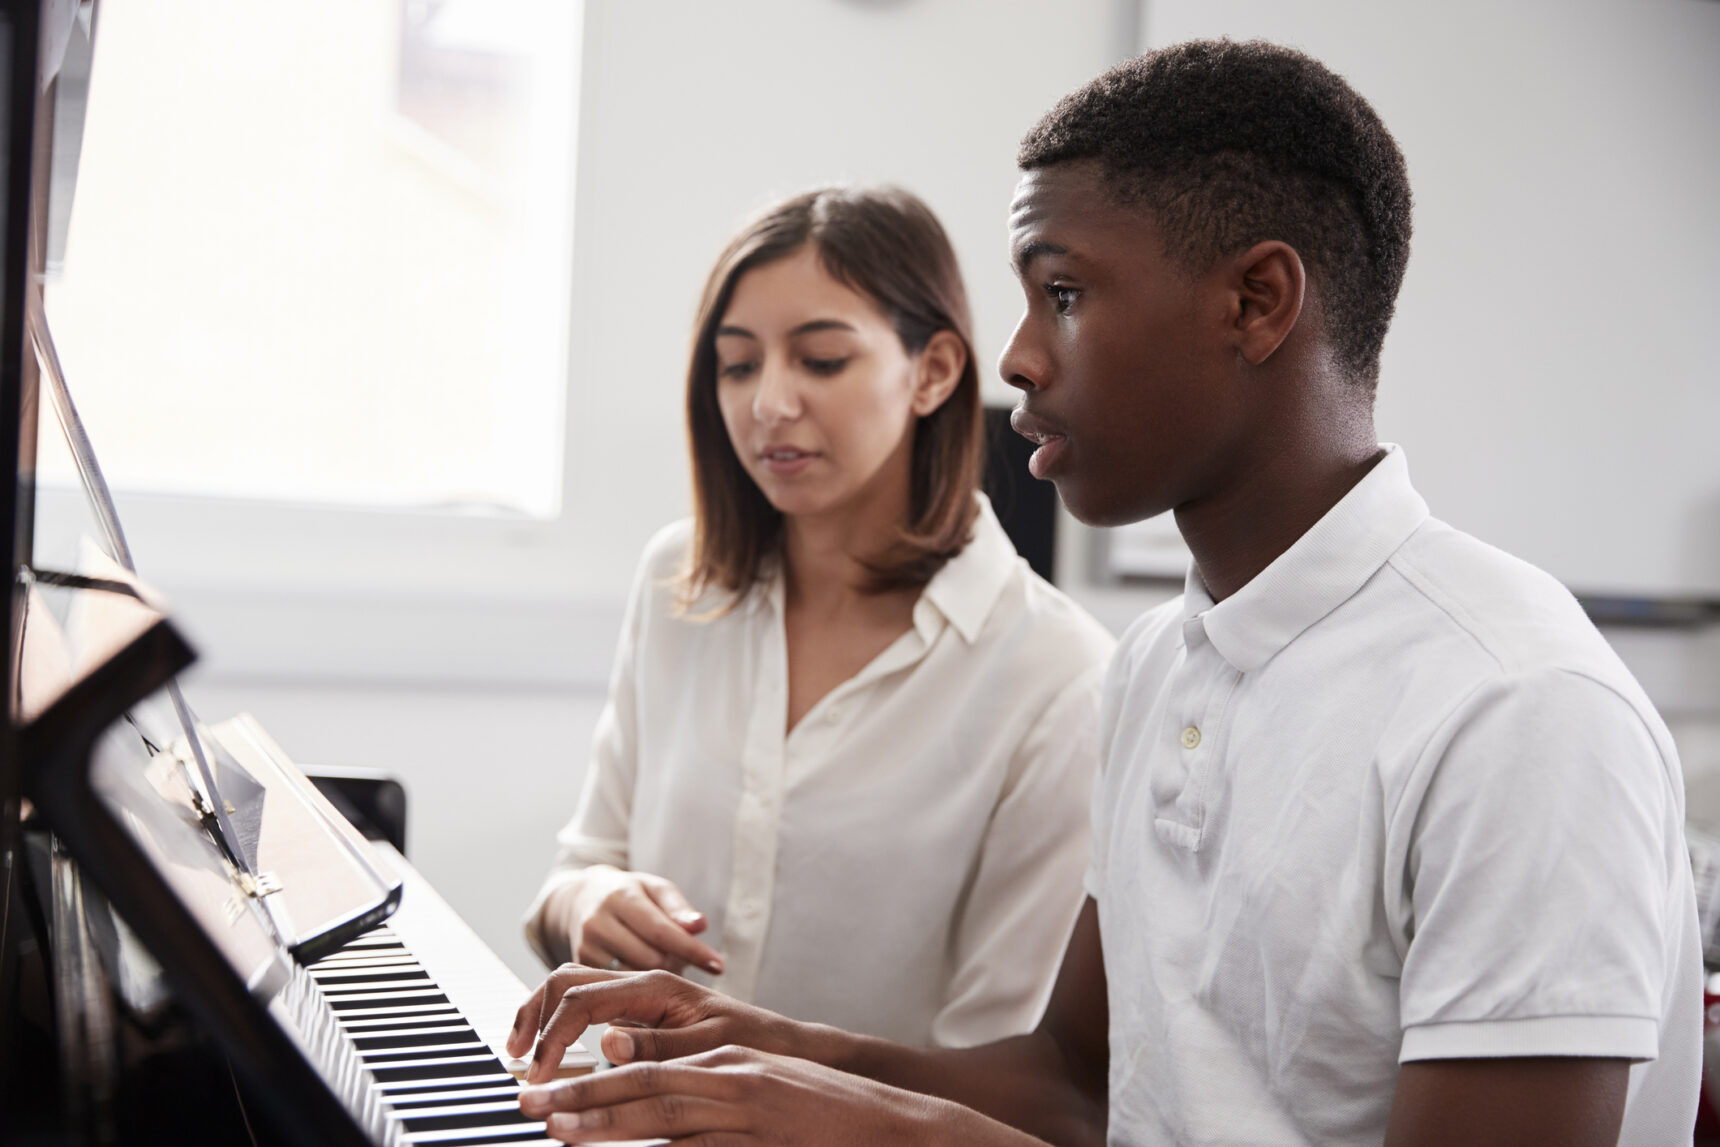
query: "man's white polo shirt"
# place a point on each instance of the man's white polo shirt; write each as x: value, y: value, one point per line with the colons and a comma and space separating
x: 1395, y: 799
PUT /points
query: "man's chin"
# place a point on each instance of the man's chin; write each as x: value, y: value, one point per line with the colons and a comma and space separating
x: 1101, y: 512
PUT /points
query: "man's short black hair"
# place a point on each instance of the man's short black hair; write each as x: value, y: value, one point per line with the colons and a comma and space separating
x: 1227, y: 144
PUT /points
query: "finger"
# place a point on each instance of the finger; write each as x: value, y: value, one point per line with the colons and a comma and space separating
x: 525, y: 1027
x: 666, y: 1116
x: 529, y: 1023
x: 676, y: 906
x: 654, y: 1045
x: 607, y: 936
x: 656, y: 927
x: 578, y: 997
x: 639, y: 1082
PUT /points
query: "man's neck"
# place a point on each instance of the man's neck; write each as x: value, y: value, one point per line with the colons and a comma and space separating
x: 1241, y: 529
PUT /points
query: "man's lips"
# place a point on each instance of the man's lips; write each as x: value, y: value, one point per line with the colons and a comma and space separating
x: 1049, y: 438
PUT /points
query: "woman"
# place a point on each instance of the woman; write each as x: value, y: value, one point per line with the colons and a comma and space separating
x: 844, y: 767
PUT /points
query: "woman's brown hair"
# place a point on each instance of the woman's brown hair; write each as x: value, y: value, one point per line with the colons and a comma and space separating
x: 887, y: 245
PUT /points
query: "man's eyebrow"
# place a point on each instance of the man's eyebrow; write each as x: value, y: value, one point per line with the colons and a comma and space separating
x: 1033, y: 249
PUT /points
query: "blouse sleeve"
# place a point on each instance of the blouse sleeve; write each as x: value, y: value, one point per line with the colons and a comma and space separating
x: 598, y: 832
x: 1010, y: 935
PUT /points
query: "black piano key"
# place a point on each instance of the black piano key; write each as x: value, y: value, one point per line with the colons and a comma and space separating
x: 339, y: 1004
x: 535, y: 1135
x: 498, y: 1094
x: 420, y: 1089
x: 338, y: 980
x: 501, y: 1118
x: 449, y: 1070
x: 412, y: 1021
x: 468, y: 1049
x: 421, y: 1039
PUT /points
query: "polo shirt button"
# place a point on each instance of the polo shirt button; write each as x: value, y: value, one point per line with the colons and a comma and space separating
x: 1190, y: 737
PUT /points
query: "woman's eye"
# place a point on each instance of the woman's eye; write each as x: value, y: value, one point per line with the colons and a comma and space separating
x: 735, y: 371
x: 1062, y: 298
x: 825, y: 366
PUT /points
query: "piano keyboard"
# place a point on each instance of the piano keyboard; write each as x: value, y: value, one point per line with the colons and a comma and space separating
x: 430, y: 1067
x: 426, y: 1007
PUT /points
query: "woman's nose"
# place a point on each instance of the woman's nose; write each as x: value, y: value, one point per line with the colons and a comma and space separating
x: 777, y: 398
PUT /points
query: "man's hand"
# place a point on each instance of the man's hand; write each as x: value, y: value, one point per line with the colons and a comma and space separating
x: 737, y: 1096
x: 662, y: 1017
x: 1050, y: 1082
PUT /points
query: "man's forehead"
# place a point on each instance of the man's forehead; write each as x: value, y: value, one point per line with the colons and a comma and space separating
x: 1064, y: 190
x: 1068, y: 205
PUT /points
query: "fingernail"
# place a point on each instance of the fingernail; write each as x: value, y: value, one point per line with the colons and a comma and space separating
x: 561, y: 1125
x: 623, y: 1049
x: 714, y: 967
x: 533, y: 1098
x: 687, y: 916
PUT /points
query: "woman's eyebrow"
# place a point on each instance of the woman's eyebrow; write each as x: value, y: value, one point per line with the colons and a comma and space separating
x: 735, y: 332
x: 821, y: 325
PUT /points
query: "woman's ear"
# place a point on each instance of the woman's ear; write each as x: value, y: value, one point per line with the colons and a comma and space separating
x: 939, y: 369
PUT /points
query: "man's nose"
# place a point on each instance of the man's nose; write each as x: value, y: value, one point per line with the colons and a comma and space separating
x: 1022, y: 363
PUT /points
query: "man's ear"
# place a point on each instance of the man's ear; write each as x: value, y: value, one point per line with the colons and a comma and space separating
x: 940, y: 367
x: 1268, y: 284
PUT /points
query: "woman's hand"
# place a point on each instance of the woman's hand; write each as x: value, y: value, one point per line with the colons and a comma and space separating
x: 658, y: 1016
x: 736, y: 1096
x: 639, y: 919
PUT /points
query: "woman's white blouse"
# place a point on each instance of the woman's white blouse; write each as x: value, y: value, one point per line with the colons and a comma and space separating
x: 907, y: 861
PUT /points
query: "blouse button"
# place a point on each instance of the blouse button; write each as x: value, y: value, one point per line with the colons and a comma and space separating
x: 1190, y: 737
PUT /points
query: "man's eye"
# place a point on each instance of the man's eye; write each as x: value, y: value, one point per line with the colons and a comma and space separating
x: 734, y: 371
x: 825, y: 366
x: 1062, y: 298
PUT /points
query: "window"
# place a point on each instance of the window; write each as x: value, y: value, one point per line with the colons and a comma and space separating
x: 319, y: 253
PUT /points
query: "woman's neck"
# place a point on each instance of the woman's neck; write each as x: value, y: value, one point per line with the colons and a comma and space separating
x: 825, y: 556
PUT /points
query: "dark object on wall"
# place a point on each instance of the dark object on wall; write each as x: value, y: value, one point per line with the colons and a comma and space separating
x: 1026, y: 506
x: 372, y: 800
x: 1650, y: 612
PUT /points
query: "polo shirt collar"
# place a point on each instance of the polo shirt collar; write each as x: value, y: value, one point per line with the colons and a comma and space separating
x: 1323, y: 569
x: 969, y: 584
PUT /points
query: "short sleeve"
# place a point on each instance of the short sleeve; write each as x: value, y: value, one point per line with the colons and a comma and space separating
x: 1538, y: 857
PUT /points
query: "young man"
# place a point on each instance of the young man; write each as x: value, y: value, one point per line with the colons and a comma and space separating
x: 1387, y: 843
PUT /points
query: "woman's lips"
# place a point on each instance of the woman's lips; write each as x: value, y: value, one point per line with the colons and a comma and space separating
x: 785, y: 462
x: 1052, y: 444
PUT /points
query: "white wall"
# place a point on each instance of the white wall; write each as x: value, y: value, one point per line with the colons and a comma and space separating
x: 694, y: 113
x: 1548, y: 371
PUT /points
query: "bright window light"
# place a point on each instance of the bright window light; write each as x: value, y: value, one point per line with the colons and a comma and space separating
x: 320, y: 252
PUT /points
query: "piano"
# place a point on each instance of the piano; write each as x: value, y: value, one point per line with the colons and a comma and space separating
x: 148, y: 990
